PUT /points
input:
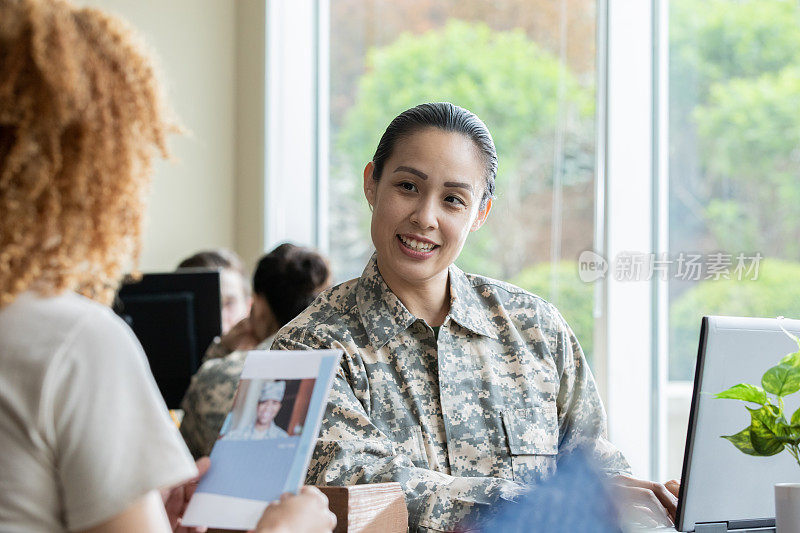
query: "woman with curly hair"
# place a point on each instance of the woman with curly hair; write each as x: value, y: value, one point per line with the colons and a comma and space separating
x: 86, y: 438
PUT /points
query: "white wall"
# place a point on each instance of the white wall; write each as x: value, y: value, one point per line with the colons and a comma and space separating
x: 250, y: 142
x: 192, y: 200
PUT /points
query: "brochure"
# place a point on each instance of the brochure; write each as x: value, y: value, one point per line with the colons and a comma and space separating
x: 267, y: 439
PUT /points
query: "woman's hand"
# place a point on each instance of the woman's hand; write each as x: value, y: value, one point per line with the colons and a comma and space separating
x: 239, y: 337
x: 306, y: 512
x: 177, y: 498
x: 647, y: 502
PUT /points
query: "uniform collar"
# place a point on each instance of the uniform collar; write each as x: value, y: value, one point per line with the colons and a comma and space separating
x: 384, y: 315
x: 466, y: 308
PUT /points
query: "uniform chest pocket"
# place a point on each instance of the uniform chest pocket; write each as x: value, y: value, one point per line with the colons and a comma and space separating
x: 408, y: 441
x: 532, y: 437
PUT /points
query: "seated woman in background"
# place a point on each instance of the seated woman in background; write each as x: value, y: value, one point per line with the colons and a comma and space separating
x: 460, y: 387
x: 285, y: 282
x: 233, y: 287
x: 85, y: 436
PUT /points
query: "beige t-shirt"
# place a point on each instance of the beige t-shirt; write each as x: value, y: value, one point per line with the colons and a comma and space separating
x: 84, y: 431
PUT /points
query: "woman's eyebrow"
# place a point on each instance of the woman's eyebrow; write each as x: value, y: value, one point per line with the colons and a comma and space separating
x: 419, y: 173
x: 459, y: 184
x: 412, y: 171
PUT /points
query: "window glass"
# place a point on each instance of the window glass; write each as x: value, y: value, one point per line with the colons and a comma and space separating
x: 527, y: 68
x: 734, y: 192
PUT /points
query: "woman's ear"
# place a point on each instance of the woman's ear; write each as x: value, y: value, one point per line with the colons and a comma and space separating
x: 369, y: 183
x: 482, y: 214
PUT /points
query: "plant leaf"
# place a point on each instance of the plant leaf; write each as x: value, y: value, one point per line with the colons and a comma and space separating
x: 742, y: 441
x: 744, y: 392
x: 796, y: 418
x: 782, y: 379
x: 764, y: 433
x: 784, y: 432
x: 791, y: 359
x: 772, y: 410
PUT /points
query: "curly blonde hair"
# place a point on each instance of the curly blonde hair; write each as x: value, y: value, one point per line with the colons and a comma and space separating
x: 81, y: 118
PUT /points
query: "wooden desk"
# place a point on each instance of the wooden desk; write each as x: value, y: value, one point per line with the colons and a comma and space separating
x: 372, y: 508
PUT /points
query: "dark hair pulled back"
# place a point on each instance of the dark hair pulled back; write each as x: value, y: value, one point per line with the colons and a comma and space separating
x: 447, y: 117
x: 290, y: 277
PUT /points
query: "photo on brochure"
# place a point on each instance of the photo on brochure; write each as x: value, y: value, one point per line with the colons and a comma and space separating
x: 266, y: 441
x: 268, y: 409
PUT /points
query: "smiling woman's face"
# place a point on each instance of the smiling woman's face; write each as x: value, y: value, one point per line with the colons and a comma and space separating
x: 425, y: 204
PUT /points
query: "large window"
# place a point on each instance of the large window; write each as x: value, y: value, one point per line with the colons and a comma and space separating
x: 695, y: 165
x: 734, y: 175
x: 528, y: 69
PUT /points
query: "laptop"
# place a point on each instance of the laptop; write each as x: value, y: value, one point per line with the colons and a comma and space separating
x: 175, y: 316
x: 722, y: 488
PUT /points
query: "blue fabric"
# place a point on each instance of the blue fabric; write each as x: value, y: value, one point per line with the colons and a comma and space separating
x: 574, y: 500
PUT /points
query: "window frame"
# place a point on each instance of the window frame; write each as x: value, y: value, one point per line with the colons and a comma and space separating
x: 629, y: 326
x: 296, y: 120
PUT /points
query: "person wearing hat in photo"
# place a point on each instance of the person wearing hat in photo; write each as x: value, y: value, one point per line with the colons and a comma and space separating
x: 269, y: 403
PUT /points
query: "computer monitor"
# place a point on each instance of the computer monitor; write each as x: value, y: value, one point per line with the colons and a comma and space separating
x: 175, y: 316
x: 723, y: 489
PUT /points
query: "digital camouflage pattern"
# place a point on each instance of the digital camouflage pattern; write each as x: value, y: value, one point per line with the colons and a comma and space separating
x: 461, y: 421
x: 209, y: 399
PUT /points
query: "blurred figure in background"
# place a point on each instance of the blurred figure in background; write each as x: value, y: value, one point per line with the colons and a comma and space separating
x: 233, y: 287
x: 285, y: 282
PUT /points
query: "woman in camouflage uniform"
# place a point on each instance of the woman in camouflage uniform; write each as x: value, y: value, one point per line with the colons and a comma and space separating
x: 460, y: 387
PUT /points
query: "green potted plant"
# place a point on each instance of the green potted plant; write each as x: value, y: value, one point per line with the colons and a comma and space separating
x: 770, y: 432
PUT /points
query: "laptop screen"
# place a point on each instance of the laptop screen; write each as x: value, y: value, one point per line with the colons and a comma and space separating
x: 720, y: 483
x: 175, y: 316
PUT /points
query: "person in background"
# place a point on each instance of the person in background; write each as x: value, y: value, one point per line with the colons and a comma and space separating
x: 233, y: 287
x: 86, y: 441
x: 285, y: 282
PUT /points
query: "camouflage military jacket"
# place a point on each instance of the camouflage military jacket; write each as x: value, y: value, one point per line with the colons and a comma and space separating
x: 209, y: 398
x: 460, y: 421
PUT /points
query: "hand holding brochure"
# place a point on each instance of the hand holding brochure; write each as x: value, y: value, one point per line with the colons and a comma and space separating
x: 267, y: 439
